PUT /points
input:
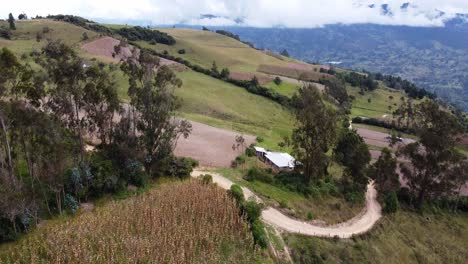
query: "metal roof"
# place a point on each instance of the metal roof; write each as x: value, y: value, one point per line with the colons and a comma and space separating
x: 260, y: 149
x: 281, y: 159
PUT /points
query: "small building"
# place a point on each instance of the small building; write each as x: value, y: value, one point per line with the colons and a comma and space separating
x: 260, y: 152
x: 278, y: 161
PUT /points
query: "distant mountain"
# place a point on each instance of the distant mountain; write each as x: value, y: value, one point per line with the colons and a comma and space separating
x: 435, y: 58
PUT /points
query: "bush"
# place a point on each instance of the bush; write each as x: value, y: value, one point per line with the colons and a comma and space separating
x: 391, y: 203
x: 5, y: 33
x: 283, y: 204
x: 310, y: 216
x: 259, y: 234
x: 241, y: 159
x: 256, y: 174
x: 104, y: 176
x: 207, y: 179
x: 181, y: 167
x: 237, y: 193
x: 253, y: 210
x: 71, y: 204
x: 136, y: 175
x: 140, y: 33
x: 277, y: 80
x: 181, y: 51
x: 260, y: 139
x: 250, y: 151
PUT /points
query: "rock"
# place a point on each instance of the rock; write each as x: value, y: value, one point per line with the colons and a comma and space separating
x: 86, y: 207
x: 132, y: 188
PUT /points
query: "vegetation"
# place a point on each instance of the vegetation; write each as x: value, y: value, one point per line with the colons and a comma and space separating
x: 183, y: 222
x: 315, y: 132
x: 437, y: 169
x: 140, y: 33
x: 403, y: 237
x: 54, y: 110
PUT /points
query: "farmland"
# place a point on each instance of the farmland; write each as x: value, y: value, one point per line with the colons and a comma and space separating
x: 184, y: 222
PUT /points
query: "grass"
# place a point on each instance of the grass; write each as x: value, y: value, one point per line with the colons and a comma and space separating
x: 326, y: 208
x: 285, y: 88
x: 379, y: 102
x: 204, y: 47
x: 184, y: 222
x: 405, y: 237
x: 24, y: 37
x: 217, y: 103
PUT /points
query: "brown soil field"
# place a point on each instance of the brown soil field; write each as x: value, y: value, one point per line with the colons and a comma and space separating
x: 246, y: 76
x: 306, y: 75
x: 104, y: 47
x: 211, y: 146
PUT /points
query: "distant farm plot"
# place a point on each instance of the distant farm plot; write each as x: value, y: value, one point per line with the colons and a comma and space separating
x: 293, y: 72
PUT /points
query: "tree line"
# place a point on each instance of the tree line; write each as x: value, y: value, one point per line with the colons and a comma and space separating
x: 436, y: 170
x: 48, y: 116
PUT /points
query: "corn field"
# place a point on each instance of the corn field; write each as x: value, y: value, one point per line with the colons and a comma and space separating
x: 185, y: 222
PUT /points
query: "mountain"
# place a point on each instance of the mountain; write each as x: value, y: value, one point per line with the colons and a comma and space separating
x: 435, y: 58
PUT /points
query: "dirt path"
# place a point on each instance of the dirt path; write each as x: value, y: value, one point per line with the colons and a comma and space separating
x: 361, y: 223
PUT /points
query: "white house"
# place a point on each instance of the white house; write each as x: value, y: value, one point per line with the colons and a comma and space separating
x: 277, y: 160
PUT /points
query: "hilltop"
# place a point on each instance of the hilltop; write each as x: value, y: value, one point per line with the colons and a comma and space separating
x: 234, y: 95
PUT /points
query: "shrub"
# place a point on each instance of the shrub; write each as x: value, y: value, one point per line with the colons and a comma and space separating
x: 260, y: 139
x: 71, y: 204
x: 181, y: 51
x: 207, y: 179
x: 181, y: 167
x: 259, y: 234
x: 253, y: 210
x: 250, y: 151
x: 391, y: 203
x: 135, y: 174
x: 104, y: 176
x: 5, y: 33
x: 283, y: 204
x: 310, y: 216
x: 277, y: 80
x: 241, y: 159
x: 262, y: 175
x: 237, y: 193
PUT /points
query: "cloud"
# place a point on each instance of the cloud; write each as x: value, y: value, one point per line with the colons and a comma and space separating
x: 258, y: 13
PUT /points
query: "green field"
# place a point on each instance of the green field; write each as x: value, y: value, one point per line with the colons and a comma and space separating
x: 285, y: 88
x: 379, y: 102
x: 406, y: 237
x: 204, y: 47
x: 220, y: 104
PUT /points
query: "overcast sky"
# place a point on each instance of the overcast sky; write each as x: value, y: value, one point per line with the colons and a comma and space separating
x: 258, y: 13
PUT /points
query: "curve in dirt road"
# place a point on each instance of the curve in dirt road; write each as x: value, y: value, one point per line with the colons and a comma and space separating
x: 361, y: 223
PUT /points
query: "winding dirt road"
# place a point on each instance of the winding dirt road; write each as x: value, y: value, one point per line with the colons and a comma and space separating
x: 359, y: 224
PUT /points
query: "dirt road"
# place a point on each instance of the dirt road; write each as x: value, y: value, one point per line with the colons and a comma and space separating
x: 357, y: 225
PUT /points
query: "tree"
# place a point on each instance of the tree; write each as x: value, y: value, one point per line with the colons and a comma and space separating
x: 435, y: 163
x: 383, y: 172
x: 22, y: 16
x: 352, y: 152
x: 254, y: 82
x: 285, y: 53
x: 84, y: 36
x: 155, y: 103
x: 314, y: 133
x: 214, y: 69
x: 11, y: 22
x: 225, y: 73
x: 337, y: 89
x: 84, y: 97
x: 277, y: 80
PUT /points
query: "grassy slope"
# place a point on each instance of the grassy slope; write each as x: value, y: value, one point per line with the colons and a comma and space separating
x: 204, y: 47
x: 406, y: 237
x: 220, y: 104
x: 24, y: 37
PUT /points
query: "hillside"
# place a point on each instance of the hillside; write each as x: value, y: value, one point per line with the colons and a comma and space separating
x: 434, y: 58
x: 187, y: 221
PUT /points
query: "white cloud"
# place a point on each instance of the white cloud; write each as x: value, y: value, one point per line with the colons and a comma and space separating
x: 259, y: 13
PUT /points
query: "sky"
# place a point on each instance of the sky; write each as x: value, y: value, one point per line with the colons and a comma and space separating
x: 256, y: 13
